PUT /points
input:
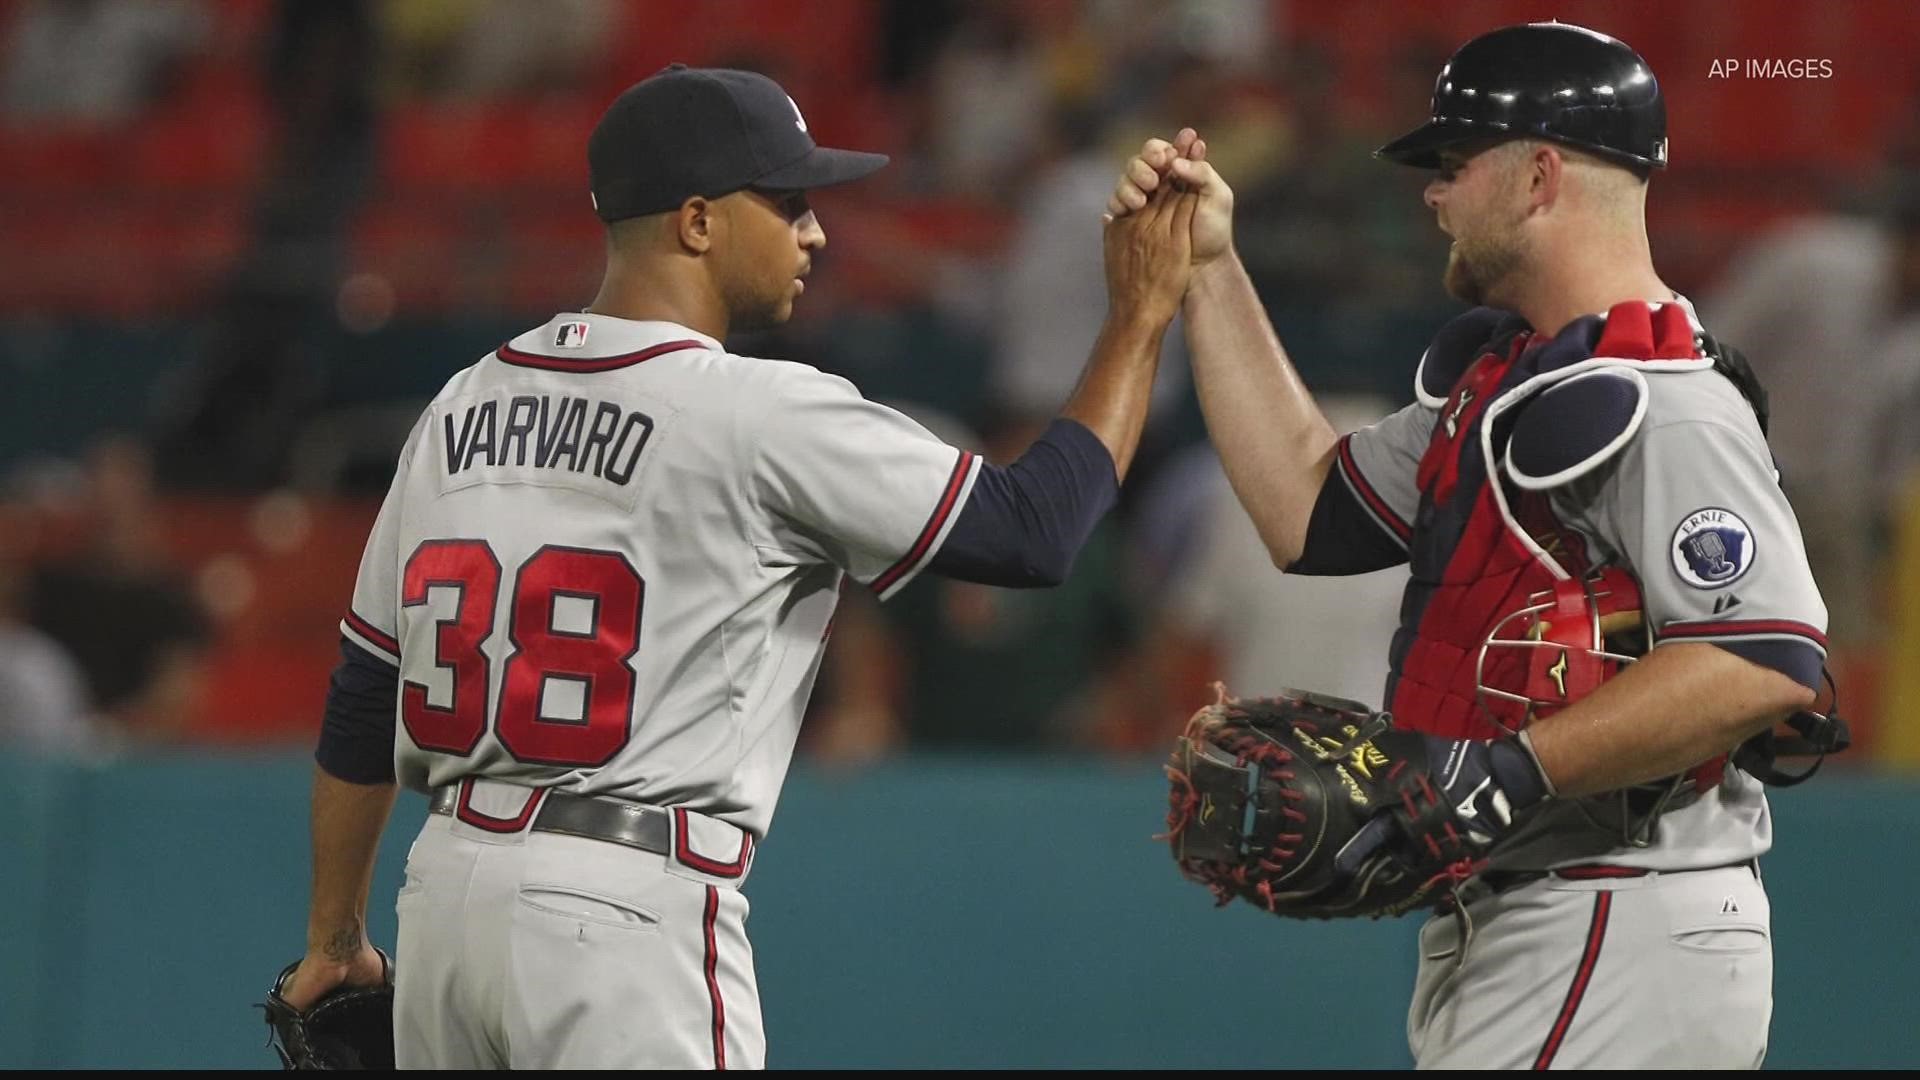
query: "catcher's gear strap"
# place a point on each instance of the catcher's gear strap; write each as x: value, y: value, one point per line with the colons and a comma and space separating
x: 1817, y: 734
x: 1731, y: 363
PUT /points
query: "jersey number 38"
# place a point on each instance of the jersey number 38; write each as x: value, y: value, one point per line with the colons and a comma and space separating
x: 567, y: 691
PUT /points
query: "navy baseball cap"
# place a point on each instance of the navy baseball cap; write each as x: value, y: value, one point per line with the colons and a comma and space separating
x: 686, y: 131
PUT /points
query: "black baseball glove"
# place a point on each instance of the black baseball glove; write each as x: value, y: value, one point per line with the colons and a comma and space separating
x: 351, y: 1027
x: 1312, y: 806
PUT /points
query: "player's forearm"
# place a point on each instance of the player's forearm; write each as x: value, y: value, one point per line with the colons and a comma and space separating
x: 1111, y: 400
x: 1273, y: 441
x: 1678, y: 706
x: 347, y: 822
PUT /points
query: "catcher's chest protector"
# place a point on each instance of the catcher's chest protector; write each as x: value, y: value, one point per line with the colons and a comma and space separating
x: 1519, y: 416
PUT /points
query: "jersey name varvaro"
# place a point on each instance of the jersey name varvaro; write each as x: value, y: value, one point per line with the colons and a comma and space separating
x: 490, y: 439
x: 611, y: 554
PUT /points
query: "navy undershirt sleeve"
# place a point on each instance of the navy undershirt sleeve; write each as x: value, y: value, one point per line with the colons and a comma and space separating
x: 1024, y: 524
x: 1797, y: 660
x: 1342, y: 538
x: 356, y: 737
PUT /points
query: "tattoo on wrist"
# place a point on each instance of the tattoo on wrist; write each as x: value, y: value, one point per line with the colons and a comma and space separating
x: 343, y: 944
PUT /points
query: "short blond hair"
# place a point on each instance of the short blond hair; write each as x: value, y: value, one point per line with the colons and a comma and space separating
x: 1604, y: 185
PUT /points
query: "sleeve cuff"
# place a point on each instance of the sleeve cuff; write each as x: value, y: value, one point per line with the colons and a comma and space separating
x: 1794, y: 649
x: 371, y: 638
x: 1375, y: 505
x: 934, y: 532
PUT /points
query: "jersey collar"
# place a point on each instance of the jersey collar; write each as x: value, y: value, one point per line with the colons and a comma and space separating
x: 587, y: 341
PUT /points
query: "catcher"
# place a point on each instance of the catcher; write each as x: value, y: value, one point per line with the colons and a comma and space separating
x: 1609, y: 607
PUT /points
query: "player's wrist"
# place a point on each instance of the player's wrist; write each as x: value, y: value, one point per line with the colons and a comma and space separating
x: 337, y: 940
x: 1136, y: 326
x: 1524, y: 741
x: 1215, y: 272
x: 1518, y: 773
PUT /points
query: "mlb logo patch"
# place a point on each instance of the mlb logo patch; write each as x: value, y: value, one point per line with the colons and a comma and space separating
x: 1711, y: 547
x: 571, y: 335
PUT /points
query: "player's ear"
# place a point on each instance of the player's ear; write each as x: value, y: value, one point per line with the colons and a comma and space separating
x: 1545, y: 169
x: 694, y: 224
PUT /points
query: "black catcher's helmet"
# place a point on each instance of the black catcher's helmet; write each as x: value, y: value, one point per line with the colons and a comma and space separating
x: 1544, y: 80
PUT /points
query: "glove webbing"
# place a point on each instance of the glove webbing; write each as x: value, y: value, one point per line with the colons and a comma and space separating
x: 1248, y: 746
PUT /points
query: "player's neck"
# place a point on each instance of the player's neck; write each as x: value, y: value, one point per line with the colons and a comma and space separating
x: 631, y: 293
x: 1588, y: 281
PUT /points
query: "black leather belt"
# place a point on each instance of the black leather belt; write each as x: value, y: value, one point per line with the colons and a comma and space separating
x: 636, y: 826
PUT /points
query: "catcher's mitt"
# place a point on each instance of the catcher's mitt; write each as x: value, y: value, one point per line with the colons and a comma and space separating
x: 351, y: 1027
x: 1311, y: 806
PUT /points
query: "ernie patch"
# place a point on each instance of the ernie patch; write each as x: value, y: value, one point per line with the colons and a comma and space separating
x: 1711, y: 548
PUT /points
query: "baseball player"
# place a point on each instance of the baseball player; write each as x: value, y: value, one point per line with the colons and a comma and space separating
x: 594, y: 602
x: 1579, y: 451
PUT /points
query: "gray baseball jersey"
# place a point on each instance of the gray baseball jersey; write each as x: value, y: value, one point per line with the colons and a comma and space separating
x: 609, y: 561
x: 1692, y: 506
x: 1622, y: 955
x: 608, y: 565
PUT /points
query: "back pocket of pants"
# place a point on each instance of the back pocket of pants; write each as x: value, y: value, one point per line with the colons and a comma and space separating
x: 568, y: 902
x: 1723, y: 938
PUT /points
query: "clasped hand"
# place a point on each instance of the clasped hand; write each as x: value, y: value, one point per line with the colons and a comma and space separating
x: 1170, y: 215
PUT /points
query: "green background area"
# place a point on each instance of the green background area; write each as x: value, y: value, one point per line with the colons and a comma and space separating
x: 926, y: 912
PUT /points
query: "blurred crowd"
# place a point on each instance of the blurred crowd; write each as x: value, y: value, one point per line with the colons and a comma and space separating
x: 348, y: 200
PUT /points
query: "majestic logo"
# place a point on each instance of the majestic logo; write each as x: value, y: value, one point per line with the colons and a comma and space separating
x: 798, y: 120
x: 1711, y: 548
x: 571, y: 335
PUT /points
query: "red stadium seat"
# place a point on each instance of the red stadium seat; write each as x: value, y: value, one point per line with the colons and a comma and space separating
x: 217, y: 147
x: 467, y: 150
x: 278, y: 584
x: 419, y: 248
x: 58, y: 160
x: 264, y: 694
